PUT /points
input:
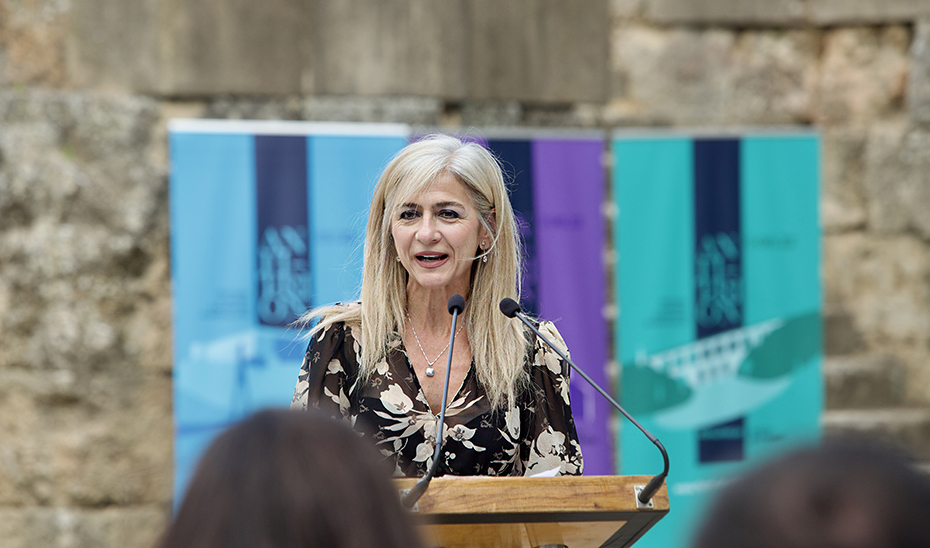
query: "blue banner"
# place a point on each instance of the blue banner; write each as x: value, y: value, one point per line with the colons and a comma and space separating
x: 267, y: 220
x: 718, y: 284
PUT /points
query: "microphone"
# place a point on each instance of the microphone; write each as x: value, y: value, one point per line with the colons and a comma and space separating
x: 456, y: 306
x: 511, y: 309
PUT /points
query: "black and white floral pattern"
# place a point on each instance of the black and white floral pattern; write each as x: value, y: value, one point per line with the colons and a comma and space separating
x: 534, y: 434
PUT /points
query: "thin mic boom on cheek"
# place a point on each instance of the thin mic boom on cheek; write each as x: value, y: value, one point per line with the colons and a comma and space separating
x: 511, y: 309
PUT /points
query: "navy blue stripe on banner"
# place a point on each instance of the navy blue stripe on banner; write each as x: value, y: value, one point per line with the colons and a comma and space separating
x: 718, y: 272
x: 283, y: 241
x: 517, y: 159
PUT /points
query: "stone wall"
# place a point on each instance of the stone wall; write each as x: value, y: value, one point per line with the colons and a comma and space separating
x: 86, y: 87
x: 85, y: 370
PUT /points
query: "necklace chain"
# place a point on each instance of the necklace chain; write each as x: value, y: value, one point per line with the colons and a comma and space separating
x: 429, y: 364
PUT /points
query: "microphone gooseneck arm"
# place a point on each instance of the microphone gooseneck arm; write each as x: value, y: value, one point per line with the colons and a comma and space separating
x: 456, y: 305
x: 511, y: 309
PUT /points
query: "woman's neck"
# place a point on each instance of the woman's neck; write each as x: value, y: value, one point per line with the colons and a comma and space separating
x: 429, y: 309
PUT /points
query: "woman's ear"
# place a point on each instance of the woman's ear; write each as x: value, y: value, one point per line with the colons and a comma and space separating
x: 491, y: 220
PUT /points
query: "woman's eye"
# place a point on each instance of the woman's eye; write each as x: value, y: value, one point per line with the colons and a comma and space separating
x: 449, y: 214
x: 408, y: 214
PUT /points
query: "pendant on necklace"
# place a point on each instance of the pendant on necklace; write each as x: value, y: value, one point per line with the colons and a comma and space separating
x: 429, y: 364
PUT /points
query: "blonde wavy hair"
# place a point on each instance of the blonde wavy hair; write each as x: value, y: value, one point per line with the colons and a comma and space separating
x: 498, y: 344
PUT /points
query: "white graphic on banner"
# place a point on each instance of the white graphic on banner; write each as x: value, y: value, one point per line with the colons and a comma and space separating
x: 710, y: 359
x: 282, y: 273
x: 719, y: 281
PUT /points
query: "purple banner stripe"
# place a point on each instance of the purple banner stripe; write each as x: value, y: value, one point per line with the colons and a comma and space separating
x: 568, y: 193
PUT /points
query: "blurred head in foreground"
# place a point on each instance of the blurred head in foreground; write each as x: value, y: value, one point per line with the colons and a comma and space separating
x: 842, y: 494
x: 290, y: 479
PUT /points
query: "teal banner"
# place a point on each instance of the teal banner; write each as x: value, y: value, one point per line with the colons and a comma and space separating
x: 719, y: 333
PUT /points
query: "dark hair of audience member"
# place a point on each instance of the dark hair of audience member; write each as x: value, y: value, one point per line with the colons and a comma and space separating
x: 291, y: 479
x: 843, y: 494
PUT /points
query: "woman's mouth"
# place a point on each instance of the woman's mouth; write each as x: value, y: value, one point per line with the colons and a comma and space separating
x: 431, y: 259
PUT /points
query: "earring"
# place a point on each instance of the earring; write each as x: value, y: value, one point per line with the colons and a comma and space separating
x: 484, y: 259
x: 398, y: 258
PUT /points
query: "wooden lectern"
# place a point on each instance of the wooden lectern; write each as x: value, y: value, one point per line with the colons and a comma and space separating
x: 574, y: 511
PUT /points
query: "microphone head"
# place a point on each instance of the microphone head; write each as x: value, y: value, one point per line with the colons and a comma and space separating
x: 510, y: 307
x: 456, y: 304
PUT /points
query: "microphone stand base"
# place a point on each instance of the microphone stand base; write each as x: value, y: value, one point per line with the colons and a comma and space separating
x: 637, y: 489
x: 416, y: 505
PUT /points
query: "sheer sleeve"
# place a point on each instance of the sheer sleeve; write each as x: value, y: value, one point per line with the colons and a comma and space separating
x: 551, y: 442
x: 328, y: 365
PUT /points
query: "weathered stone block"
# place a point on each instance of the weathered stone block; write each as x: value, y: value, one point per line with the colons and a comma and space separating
x: 868, y: 12
x: 190, y: 48
x: 85, y: 413
x: 538, y: 50
x: 915, y: 359
x: 715, y: 76
x: 490, y: 113
x: 253, y: 108
x: 841, y: 336
x: 408, y: 110
x: 136, y: 526
x: 897, y: 179
x: 774, y: 12
x: 329, y: 108
x: 85, y: 440
x: 83, y: 231
x: 863, y: 74
x: 863, y: 382
x: 918, y: 85
x: 82, y: 156
x: 232, y: 46
x: 410, y: 47
x: 114, y: 45
x: 676, y: 75
x: 626, y: 8
x: 773, y: 77
x: 883, y: 283
x: 32, y: 35
x: 843, y: 205
x: 523, y: 49
x: 785, y: 12
x: 561, y: 115
x: 905, y: 429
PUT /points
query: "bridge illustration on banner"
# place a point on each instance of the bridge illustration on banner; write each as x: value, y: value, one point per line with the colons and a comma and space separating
x: 710, y: 359
x: 723, y: 375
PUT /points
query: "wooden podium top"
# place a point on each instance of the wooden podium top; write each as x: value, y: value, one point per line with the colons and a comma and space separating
x: 575, y: 511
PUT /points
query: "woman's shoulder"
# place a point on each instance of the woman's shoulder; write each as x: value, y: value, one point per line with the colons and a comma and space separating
x: 338, y: 314
x: 551, y: 332
x: 334, y: 335
x: 332, y: 322
x: 338, y: 310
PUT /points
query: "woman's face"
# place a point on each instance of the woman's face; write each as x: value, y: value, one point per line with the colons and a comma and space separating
x: 436, y: 234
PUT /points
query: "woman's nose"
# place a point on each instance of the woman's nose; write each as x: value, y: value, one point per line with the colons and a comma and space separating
x: 426, y: 230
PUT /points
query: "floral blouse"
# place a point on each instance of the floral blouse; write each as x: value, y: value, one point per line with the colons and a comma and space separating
x: 534, y: 434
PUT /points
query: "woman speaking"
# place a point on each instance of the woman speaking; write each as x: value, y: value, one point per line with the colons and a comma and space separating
x: 441, y: 224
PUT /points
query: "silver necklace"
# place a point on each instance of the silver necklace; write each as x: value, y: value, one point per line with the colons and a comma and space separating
x: 429, y: 364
